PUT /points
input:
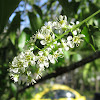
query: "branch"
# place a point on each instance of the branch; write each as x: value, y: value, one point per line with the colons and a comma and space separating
x: 62, y: 70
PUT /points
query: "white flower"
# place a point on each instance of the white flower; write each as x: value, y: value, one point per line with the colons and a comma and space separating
x: 75, y: 32
x: 65, y: 45
x: 40, y: 53
x: 27, y: 66
x: 33, y: 81
x: 49, y: 26
x: 42, y: 60
x: 39, y: 35
x: 60, y: 50
x: 47, y: 38
x: 77, y: 39
x: 15, y: 70
x: 77, y: 22
x: 69, y: 38
x: 56, y: 25
x: 48, y: 49
x: 31, y: 48
x: 30, y: 58
x: 70, y: 44
x: 63, y: 21
x: 53, y: 58
x: 15, y: 78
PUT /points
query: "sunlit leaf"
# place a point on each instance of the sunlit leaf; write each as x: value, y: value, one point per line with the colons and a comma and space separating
x: 13, y: 37
x: 28, y: 33
x: 22, y: 40
x: 88, y: 38
x: 86, y: 70
x: 76, y: 57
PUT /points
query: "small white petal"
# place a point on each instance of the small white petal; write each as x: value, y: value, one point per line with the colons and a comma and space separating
x: 40, y: 53
x: 15, y: 70
x: 25, y: 64
x: 46, y: 64
x: 43, y: 42
x: 33, y: 81
x: 75, y: 32
x: 66, y: 48
x: 32, y: 63
x: 41, y: 65
x: 72, y: 23
x: 65, y: 18
x: 55, y: 42
x: 60, y: 17
x: 52, y: 61
x: 58, y: 44
x: 77, y: 22
x: 69, y: 38
x: 15, y: 78
x: 49, y: 49
x: 81, y: 35
x: 32, y: 48
x: 53, y: 36
x: 52, y: 46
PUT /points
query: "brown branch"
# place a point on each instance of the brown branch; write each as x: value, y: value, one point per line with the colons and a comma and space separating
x: 62, y: 70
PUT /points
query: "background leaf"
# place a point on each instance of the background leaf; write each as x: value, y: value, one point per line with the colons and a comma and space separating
x: 22, y: 40
x: 35, y: 21
x: 7, y: 7
x: 13, y: 37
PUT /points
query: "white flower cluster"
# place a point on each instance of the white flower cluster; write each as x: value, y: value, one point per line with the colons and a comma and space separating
x: 44, y: 48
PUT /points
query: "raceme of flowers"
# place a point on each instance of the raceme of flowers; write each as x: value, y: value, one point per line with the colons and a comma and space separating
x: 44, y: 48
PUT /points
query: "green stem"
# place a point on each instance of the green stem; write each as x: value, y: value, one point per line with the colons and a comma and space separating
x: 73, y: 28
x: 85, y: 20
x: 38, y: 48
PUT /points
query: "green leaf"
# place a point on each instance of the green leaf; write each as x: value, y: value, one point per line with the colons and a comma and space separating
x: 76, y: 57
x: 14, y: 89
x: 35, y: 21
x: 86, y: 70
x: 87, y: 36
x: 13, y: 37
x: 38, y: 10
x: 22, y: 40
x: 69, y: 8
x: 66, y: 54
x: 7, y: 7
x: 93, y: 8
x: 15, y: 24
x: 28, y: 33
x: 92, y: 47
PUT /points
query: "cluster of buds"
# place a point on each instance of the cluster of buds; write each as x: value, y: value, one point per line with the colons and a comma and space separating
x: 43, y: 48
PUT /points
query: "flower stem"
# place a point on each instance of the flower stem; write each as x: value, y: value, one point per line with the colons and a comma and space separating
x: 73, y: 28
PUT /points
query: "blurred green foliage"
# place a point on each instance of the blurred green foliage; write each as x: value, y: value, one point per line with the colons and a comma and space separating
x: 13, y: 36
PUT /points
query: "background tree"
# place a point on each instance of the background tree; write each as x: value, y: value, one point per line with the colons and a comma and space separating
x: 20, y: 19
